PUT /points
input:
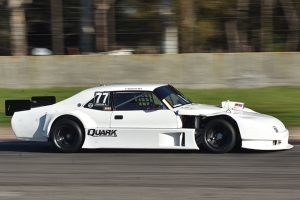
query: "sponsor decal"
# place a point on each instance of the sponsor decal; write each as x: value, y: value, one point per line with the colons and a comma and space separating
x: 238, y: 105
x: 90, y: 105
x: 133, y: 88
x: 107, y: 108
x: 102, y: 133
x: 101, y: 98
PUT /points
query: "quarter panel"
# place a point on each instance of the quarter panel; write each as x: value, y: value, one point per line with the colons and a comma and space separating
x: 28, y: 125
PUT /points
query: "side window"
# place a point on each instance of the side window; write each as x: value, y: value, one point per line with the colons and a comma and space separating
x: 135, y: 101
x: 100, y: 101
x: 159, y: 102
x: 175, y: 100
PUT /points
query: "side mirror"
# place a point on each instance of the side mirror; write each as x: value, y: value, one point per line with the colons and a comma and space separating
x: 158, y: 107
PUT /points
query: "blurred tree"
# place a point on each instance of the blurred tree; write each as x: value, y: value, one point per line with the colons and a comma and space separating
x: 170, y: 30
x: 243, y: 24
x: 18, y: 27
x: 231, y: 28
x: 38, y: 19
x: 195, y: 27
x: 238, y: 20
x: 53, y: 24
x: 293, y: 23
x: 57, y: 27
x: 139, y: 25
x: 72, y: 27
x: 104, y: 24
x: 203, y: 26
x: 208, y: 26
x: 188, y: 27
x: 267, y: 7
x: 4, y: 29
x: 87, y: 30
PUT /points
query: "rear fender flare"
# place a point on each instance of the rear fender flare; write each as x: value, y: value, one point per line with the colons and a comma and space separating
x: 86, y: 120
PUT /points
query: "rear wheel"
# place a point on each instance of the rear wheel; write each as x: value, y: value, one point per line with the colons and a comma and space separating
x: 218, y: 136
x: 66, y: 136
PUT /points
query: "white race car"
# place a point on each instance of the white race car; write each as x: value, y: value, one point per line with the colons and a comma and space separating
x: 147, y: 116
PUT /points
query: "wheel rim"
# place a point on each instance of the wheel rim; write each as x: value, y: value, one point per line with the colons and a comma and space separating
x: 218, y: 137
x: 66, y: 137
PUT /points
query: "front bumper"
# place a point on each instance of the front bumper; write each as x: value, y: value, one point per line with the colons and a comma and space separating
x: 278, y: 142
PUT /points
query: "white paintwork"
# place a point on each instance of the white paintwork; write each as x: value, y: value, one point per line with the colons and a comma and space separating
x: 145, y: 119
x: 146, y: 129
x: 255, y: 128
x: 28, y: 125
x: 197, y: 109
x: 145, y: 139
x: 268, y: 144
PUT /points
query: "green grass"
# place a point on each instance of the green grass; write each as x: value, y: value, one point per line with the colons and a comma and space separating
x: 280, y: 102
x: 14, y: 94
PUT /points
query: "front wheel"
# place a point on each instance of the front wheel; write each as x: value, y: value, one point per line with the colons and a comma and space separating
x: 66, y: 136
x: 218, y: 136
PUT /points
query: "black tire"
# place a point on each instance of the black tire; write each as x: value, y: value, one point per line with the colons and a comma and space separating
x: 218, y: 136
x: 66, y: 136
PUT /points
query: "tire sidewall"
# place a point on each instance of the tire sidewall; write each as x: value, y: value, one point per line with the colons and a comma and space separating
x: 210, y: 125
x: 78, y: 133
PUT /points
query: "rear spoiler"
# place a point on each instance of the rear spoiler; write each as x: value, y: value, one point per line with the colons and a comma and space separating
x: 12, y: 106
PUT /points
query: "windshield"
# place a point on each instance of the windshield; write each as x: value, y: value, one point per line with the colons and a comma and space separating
x: 171, y: 95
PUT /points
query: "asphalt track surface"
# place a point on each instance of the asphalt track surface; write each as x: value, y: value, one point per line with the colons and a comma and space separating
x: 31, y: 170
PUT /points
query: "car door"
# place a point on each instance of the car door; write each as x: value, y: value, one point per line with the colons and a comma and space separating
x: 138, y: 120
x: 141, y: 110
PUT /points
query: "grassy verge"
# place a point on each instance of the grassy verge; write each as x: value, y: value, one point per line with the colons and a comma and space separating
x: 280, y: 102
x: 13, y: 94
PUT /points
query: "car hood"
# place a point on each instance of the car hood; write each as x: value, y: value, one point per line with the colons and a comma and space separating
x: 198, y: 109
x: 207, y: 110
x: 203, y: 109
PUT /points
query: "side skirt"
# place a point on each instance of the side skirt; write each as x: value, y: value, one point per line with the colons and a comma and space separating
x: 140, y: 138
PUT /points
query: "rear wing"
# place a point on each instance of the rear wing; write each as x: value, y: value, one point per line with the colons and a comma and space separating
x: 12, y: 106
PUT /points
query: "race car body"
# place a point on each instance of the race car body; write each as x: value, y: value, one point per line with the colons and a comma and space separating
x: 149, y: 116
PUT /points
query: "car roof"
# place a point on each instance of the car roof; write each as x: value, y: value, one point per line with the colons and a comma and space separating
x: 86, y: 94
x: 124, y: 87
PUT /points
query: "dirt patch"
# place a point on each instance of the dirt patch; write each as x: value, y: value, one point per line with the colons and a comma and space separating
x: 6, y: 132
x: 294, y: 132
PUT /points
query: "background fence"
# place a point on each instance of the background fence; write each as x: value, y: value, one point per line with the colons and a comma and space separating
x: 148, y: 27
